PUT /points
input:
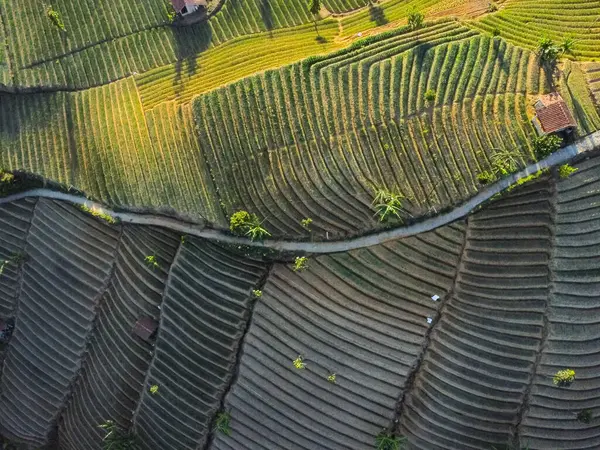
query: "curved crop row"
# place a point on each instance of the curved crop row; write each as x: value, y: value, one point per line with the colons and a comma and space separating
x: 360, y: 317
x: 553, y: 418
x: 317, y: 139
x: 69, y: 259
x: 204, y: 312
x: 472, y: 383
x: 113, y: 371
x: 524, y: 22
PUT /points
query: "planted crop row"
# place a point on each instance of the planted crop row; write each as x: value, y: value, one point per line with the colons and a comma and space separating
x: 524, y: 22
x: 317, y: 139
x: 203, y: 316
x: 111, y: 381
x: 15, y: 219
x: 555, y: 417
x: 472, y: 383
x: 33, y: 37
x: 340, y: 6
x: 357, y: 321
x: 69, y: 258
x: 100, y: 141
x: 592, y: 73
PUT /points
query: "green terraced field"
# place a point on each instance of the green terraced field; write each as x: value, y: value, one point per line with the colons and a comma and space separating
x: 315, y: 139
x: 524, y: 22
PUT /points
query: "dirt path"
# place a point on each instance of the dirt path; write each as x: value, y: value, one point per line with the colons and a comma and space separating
x: 562, y: 156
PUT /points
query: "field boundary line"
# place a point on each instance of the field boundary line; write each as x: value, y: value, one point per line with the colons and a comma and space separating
x: 562, y: 156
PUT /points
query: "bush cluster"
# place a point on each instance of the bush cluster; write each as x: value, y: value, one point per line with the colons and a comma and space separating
x: 242, y: 223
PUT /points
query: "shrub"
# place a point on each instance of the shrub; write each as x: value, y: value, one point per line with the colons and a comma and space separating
x: 257, y: 293
x: 299, y: 363
x: 567, y: 45
x: 223, y: 422
x: 430, y: 96
x: 566, y: 170
x: 415, y: 19
x: 154, y: 389
x: 492, y: 7
x: 300, y: 263
x: 332, y: 378
x: 495, y: 32
x: 117, y: 438
x: 151, y: 262
x: 244, y: 223
x: 545, y: 145
x: 306, y: 223
x: 55, y: 18
x: 564, y: 378
x: 486, y: 177
x: 170, y: 11
x: 505, y: 162
x: 99, y: 214
x: 387, y: 204
x: 585, y: 416
x: 388, y: 441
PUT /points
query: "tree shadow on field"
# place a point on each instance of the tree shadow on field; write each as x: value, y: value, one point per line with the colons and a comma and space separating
x: 189, y: 41
x: 266, y: 14
x: 377, y: 15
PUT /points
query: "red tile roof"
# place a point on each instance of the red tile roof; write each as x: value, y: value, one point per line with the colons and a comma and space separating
x: 553, y: 114
x: 178, y: 5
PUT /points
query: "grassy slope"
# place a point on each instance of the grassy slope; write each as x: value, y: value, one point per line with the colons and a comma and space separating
x: 523, y: 22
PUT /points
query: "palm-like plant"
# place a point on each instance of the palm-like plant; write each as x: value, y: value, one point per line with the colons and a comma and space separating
x: 388, y: 441
x: 388, y: 204
x: 505, y: 162
x: 116, y: 438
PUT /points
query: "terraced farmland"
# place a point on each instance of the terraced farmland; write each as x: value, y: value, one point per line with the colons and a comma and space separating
x: 551, y: 420
x: 360, y: 315
x: 101, y: 141
x: 316, y: 139
x: 114, y: 369
x: 470, y: 389
x: 69, y: 261
x: 524, y: 22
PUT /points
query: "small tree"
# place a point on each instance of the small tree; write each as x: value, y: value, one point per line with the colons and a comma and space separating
x: 547, y: 50
x: 564, y: 378
x: 415, y: 19
x: 244, y: 223
x: 546, y: 145
x: 306, y: 223
x: 314, y: 7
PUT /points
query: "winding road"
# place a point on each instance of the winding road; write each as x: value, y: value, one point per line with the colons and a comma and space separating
x: 562, y: 156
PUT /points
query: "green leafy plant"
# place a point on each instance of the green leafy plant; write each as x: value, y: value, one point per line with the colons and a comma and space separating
x: 567, y: 45
x: 547, y: 50
x: 527, y: 179
x: 117, y: 438
x: 183, y: 239
x: 170, y: 11
x: 299, y: 363
x: 151, y: 262
x: 300, y: 263
x: 492, y: 7
x: 430, y: 95
x: 486, y: 177
x: 6, y: 177
x: 546, y: 145
x: 566, y: 170
x: 257, y: 293
x: 564, y: 378
x: 415, y: 19
x: 153, y: 389
x: 332, y: 378
x: 388, y: 204
x: 505, y: 162
x: 55, y: 17
x: 496, y: 32
x: 389, y: 441
x: 98, y: 214
x: 585, y: 416
x: 306, y: 223
x: 244, y: 223
x: 223, y: 423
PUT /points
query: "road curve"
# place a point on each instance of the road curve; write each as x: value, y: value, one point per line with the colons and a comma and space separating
x: 562, y: 156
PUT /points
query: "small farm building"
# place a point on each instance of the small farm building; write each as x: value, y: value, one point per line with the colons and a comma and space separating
x: 185, y: 7
x: 553, y: 115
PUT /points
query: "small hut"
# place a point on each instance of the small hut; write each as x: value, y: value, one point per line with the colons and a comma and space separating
x: 553, y: 115
x: 185, y: 7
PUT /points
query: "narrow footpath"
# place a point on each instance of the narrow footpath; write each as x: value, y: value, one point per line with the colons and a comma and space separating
x: 564, y: 155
